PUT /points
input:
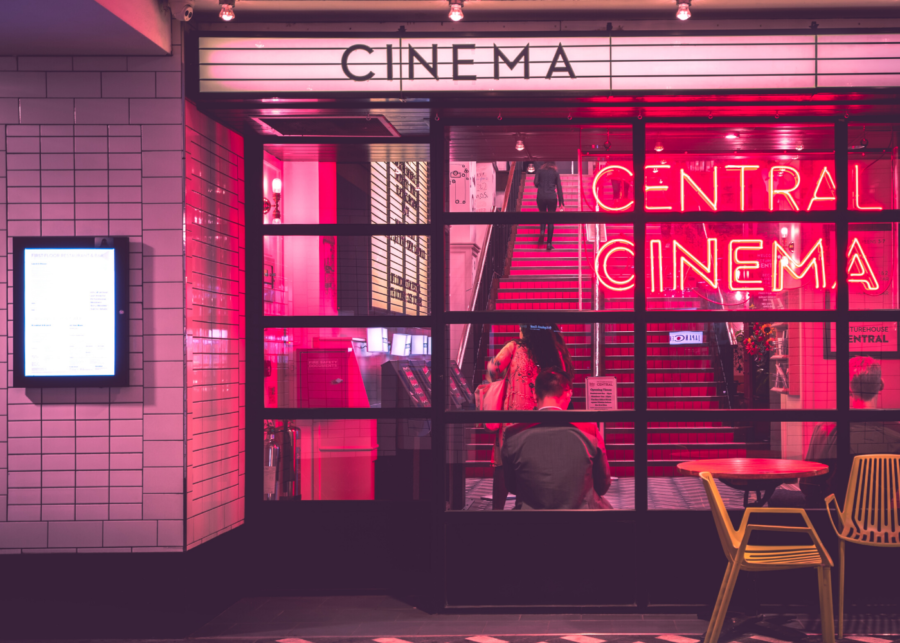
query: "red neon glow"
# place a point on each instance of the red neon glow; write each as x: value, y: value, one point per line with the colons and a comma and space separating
x: 715, y: 200
x: 736, y: 264
x: 609, y: 208
x: 785, y: 193
x: 814, y: 260
x: 815, y: 197
x: 655, y: 188
x: 856, y: 193
x: 741, y: 169
x: 858, y: 261
x: 601, y: 264
x: 708, y: 271
x: 656, y: 271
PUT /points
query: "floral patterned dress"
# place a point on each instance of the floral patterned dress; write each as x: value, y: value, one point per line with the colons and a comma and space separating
x: 519, y: 392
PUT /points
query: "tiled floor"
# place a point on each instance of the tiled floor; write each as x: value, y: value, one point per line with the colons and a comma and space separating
x: 662, y: 494
x: 368, y: 619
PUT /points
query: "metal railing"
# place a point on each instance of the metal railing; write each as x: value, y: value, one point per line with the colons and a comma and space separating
x: 492, y: 265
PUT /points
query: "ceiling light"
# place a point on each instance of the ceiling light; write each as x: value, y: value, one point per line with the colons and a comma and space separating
x: 659, y: 147
x: 520, y: 145
x: 456, y: 12
x: 226, y: 13
x: 529, y: 167
x: 732, y: 136
x: 799, y: 147
x: 684, y: 9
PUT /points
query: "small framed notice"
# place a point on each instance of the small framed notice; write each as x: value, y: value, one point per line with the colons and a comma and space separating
x: 600, y: 393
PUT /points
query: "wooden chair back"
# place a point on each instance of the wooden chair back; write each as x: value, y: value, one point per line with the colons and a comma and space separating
x: 872, y: 508
x: 727, y: 534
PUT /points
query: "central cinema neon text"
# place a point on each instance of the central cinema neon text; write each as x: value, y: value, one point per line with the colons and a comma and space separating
x: 742, y: 262
x: 671, y: 187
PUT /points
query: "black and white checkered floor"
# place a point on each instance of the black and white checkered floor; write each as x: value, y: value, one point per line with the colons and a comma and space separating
x: 662, y: 494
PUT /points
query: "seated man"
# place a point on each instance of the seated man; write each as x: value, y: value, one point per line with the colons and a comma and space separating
x: 555, y: 465
x: 865, y: 437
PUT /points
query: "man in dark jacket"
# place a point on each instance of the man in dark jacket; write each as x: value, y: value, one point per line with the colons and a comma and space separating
x: 549, y: 186
x: 555, y: 465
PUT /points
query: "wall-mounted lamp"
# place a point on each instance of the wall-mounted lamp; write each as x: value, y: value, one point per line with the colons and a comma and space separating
x: 276, y: 191
x: 784, y: 235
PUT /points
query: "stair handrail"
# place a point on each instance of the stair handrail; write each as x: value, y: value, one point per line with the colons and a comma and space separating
x: 512, y: 191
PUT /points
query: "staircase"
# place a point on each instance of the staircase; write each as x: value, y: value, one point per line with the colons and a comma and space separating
x: 679, y: 377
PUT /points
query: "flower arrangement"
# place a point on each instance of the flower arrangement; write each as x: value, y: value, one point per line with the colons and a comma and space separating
x: 757, y: 341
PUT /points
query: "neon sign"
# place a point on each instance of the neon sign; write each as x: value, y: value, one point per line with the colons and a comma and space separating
x: 743, y: 265
x: 783, y: 186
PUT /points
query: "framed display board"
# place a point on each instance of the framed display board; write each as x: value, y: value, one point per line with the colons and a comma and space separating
x: 70, y: 312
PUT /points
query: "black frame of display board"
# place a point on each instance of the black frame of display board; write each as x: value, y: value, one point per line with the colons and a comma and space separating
x: 122, y: 332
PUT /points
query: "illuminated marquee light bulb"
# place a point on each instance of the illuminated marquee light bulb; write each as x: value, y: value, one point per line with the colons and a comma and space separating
x: 856, y: 193
x: 601, y: 264
x: 609, y: 208
x: 785, y: 193
x: 684, y: 9
x: 782, y: 260
x: 741, y: 169
x: 739, y: 296
x: 858, y: 261
x: 656, y: 188
x: 815, y: 197
x: 708, y: 271
x: 784, y: 232
x: 736, y: 264
x: 711, y: 203
x: 456, y: 10
x: 226, y: 12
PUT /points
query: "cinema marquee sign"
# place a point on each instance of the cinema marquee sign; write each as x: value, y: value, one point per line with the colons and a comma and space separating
x: 561, y: 62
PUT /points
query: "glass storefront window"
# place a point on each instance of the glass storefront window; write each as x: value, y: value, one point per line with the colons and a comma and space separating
x: 547, y: 169
x: 699, y: 168
x: 337, y: 275
x: 775, y: 265
x: 385, y: 459
x: 532, y: 267
x: 739, y: 365
x: 308, y: 185
x: 872, y: 266
x: 873, y: 174
x: 475, y: 483
x: 314, y: 368
x: 481, y: 353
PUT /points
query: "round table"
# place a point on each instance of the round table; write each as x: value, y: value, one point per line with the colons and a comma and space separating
x: 754, y: 474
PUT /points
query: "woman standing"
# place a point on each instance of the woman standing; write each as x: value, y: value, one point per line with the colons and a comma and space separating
x: 539, y: 347
x: 549, y: 187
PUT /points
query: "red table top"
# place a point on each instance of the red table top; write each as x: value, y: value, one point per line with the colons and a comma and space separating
x: 754, y: 468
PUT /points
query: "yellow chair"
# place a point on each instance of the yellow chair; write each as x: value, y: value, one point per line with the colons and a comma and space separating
x: 871, y: 511
x: 742, y: 555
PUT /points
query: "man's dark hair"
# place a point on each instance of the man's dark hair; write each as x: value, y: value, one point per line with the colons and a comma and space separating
x: 865, y: 378
x: 551, y: 382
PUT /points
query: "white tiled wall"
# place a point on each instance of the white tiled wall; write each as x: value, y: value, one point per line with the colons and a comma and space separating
x: 214, y: 211
x: 95, y: 146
